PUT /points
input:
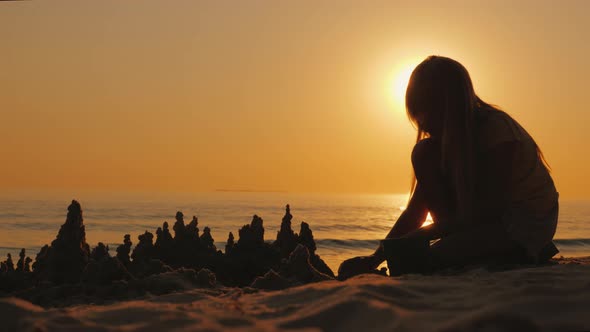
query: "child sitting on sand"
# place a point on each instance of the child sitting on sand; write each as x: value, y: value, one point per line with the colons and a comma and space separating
x: 481, y: 176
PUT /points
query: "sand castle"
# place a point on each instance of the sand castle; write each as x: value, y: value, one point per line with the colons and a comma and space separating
x: 71, y: 267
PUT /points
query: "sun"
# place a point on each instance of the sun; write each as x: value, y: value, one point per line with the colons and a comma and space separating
x: 399, y: 83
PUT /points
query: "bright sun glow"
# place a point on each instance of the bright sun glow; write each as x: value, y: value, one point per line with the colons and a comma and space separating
x: 399, y: 83
x: 428, y: 220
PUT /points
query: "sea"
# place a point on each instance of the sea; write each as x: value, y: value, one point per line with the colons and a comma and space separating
x: 343, y: 225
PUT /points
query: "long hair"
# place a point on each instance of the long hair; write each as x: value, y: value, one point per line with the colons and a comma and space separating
x: 440, y: 90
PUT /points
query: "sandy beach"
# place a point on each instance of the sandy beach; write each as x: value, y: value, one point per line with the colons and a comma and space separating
x: 548, y: 298
x: 294, y: 166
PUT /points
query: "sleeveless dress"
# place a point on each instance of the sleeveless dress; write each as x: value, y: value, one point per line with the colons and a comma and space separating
x: 530, y: 208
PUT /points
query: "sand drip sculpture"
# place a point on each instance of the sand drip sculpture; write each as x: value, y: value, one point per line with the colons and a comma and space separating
x: 70, y: 269
x: 68, y: 255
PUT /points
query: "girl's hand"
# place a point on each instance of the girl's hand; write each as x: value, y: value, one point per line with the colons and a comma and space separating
x: 358, y: 265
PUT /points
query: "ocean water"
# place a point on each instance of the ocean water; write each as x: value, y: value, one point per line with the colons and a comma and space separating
x: 344, y: 225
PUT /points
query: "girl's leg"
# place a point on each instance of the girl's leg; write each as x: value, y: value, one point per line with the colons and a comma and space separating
x: 430, y: 194
x: 479, y: 244
x: 456, y: 247
x: 432, y: 185
x: 410, y: 252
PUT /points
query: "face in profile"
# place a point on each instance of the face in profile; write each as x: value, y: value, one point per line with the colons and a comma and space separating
x: 431, y: 122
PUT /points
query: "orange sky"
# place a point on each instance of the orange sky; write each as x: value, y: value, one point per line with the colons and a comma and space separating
x: 265, y: 95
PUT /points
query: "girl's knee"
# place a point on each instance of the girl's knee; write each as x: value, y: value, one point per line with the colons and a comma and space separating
x: 425, y: 155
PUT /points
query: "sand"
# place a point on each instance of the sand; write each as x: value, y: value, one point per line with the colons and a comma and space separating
x: 548, y: 298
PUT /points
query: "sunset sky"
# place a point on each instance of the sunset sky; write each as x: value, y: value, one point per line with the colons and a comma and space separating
x: 298, y: 96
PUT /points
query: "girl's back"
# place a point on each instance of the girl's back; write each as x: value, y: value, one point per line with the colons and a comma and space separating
x: 530, y: 199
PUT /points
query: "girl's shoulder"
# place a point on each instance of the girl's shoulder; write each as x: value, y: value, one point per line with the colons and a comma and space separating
x: 496, y: 127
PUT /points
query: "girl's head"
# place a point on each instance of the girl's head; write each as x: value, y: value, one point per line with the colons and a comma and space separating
x: 440, y: 98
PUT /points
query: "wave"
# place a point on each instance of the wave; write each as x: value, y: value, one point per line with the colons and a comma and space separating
x: 576, y: 247
x: 581, y: 243
x: 12, y: 215
x: 572, y: 242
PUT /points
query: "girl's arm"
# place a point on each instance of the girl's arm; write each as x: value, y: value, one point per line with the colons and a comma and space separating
x: 409, y: 221
x: 412, y: 217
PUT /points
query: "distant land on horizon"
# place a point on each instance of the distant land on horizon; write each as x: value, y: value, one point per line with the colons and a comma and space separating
x: 249, y: 191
